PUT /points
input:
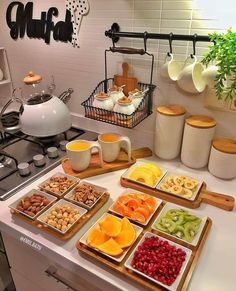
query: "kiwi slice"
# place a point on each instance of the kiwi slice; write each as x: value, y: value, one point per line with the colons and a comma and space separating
x: 190, y: 230
x: 174, y: 212
x: 179, y: 232
x: 168, y: 223
x: 189, y: 217
x: 161, y: 227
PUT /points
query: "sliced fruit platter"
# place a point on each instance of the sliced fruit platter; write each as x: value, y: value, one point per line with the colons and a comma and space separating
x: 180, y: 185
x: 180, y: 222
x: 146, y: 173
x: 111, y: 236
x: 135, y: 205
x: 161, y: 254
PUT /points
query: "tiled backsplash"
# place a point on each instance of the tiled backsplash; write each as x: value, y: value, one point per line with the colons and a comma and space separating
x: 82, y: 68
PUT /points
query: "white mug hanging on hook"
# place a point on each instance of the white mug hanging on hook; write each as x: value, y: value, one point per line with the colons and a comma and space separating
x: 171, y: 68
x: 190, y: 78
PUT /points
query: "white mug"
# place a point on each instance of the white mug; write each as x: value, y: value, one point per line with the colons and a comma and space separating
x: 171, y: 68
x: 209, y: 75
x: 79, y: 153
x: 190, y: 78
x: 111, y: 145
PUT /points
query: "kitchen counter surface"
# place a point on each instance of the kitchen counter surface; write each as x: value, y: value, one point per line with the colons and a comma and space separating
x: 215, y: 270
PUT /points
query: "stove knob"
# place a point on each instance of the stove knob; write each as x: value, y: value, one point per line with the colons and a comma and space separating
x: 63, y: 145
x: 52, y: 152
x: 39, y: 160
x: 24, y: 169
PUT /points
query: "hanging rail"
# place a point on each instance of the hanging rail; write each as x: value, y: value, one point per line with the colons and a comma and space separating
x: 114, y: 33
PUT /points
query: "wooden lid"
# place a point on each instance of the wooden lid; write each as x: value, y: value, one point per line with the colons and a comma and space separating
x: 124, y: 100
x: 32, y: 78
x: 171, y: 110
x: 225, y: 145
x: 201, y: 121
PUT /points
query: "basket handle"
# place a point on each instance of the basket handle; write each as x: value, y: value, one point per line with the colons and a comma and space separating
x: 127, y: 50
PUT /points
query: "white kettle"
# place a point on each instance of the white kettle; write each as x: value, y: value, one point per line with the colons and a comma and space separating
x: 42, y: 114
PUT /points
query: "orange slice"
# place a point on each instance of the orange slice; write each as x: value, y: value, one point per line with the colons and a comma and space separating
x: 138, y: 217
x: 133, y: 204
x: 96, y: 237
x: 111, y: 247
x: 151, y: 204
x: 126, y: 238
x: 110, y: 225
x: 144, y: 210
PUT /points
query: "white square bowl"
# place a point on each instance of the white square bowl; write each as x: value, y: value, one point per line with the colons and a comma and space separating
x: 125, y: 192
x: 73, y: 179
x: 14, y: 205
x: 171, y: 173
x: 125, y: 175
x: 169, y: 206
x: 175, y: 284
x: 118, y: 259
x: 69, y: 195
x: 61, y: 202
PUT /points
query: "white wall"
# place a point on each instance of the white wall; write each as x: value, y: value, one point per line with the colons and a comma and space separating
x: 82, y: 68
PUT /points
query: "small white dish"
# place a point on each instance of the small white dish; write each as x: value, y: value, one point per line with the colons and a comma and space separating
x: 73, y: 179
x: 169, y: 206
x: 195, y: 191
x: 97, y: 188
x: 125, y: 175
x: 118, y: 259
x: 61, y: 202
x: 14, y: 205
x: 175, y: 284
x: 125, y: 192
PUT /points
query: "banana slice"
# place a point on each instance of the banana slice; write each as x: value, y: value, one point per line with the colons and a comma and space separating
x: 179, y: 181
x: 170, y: 181
x: 195, y: 182
x: 187, y: 193
x: 176, y: 189
x: 189, y: 184
x: 165, y: 187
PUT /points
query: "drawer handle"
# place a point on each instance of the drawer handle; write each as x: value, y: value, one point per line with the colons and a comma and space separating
x: 52, y: 272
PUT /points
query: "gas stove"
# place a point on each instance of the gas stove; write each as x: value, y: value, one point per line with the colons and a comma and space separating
x: 24, y: 158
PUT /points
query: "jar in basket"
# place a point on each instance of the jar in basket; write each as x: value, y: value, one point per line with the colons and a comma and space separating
x: 115, y: 93
x: 136, y: 96
x: 124, y: 105
x: 103, y: 101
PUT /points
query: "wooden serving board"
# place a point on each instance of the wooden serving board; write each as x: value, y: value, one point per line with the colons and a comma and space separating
x: 76, y: 227
x: 148, y: 284
x: 219, y: 200
x: 94, y: 168
x: 130, y: 83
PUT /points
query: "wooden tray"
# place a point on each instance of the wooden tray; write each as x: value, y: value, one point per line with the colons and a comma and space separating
x: 219, y: 200
x: 94, y: 168
x: 148, y: 284
x: 76, y: 227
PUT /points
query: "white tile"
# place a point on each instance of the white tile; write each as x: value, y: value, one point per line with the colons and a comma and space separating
x: 168, y: 23
x: 177, y: 5
x: 147, y: 14
x: 178, y: 14
x: 143, y: 5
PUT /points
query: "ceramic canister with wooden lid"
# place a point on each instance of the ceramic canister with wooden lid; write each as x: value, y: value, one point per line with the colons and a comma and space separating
x: 199, y: 131
x: 169, y: 131
x: 222, y: 161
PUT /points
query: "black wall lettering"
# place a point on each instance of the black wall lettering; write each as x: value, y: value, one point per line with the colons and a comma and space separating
x: 23, y: 23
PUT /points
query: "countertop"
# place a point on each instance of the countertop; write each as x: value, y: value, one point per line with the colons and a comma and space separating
x: 215, y: 270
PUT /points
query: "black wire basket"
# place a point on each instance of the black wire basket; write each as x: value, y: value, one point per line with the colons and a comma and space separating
x: 124, y: 120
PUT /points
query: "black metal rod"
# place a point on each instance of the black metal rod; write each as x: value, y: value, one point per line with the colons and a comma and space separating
x: 203, y: 38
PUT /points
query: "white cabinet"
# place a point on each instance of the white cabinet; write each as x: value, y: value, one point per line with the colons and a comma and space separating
x: 33, y: 271
x: 4, y: 68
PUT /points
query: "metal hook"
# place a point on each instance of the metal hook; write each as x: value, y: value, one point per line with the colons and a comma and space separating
x: 170, y: 43
x: 194, y: 45
x: 145, y: 34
